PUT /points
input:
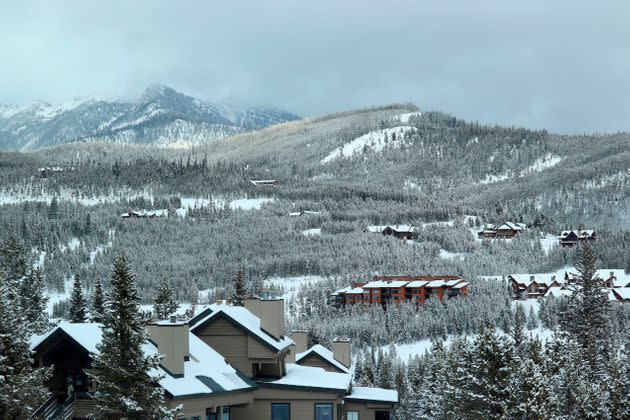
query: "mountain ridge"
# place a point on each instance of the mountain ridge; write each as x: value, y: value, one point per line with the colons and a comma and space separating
x: 161, y: 116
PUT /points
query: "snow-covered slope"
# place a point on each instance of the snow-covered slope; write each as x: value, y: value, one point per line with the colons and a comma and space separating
x: 160, y: 116
x: 373, y: 141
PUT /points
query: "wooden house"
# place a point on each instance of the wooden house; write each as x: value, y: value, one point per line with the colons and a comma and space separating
x: 145, y: 214
x: 264, y: 182
x: 506, y: 230
x: 570, y: 238
x: 398, y: 231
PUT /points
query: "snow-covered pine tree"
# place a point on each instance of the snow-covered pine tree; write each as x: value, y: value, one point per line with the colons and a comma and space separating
x: 21, y: 387
x: 124, y: 388
x: 587, y: 316
x: 239, y: 293
x: 518, y: 325
x: 33, y: 301
x: 97, y: 311
x: 78, y: 309
x: 532, y: 319
x: 164, y: 304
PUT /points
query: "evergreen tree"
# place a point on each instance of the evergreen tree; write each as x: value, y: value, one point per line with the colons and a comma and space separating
x: 22, y: 388
x: 240, y: 289
x: 532, y: 319
x: 518, y: 325
x: 124, y: 388
x: 587, y: 316
x: 33, y: 301
x: 78, y: 310
x: 164, y: 304
x: 97, y: 312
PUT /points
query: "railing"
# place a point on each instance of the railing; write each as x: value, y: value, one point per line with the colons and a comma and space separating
x: 45, y: 409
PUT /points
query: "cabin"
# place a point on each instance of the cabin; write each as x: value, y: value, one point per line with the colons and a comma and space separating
x: 570, y: 238
x: 525, y: 286
x: 506, y: 230
x: 145, y: 214
x: 226, y: 362
x: 398, y: 231
x: 305, y: 213
x: 620, y: 294
x: 264, y: 182
x: 52, y: 170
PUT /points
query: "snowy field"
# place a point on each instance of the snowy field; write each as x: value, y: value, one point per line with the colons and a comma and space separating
x: 312, y: 232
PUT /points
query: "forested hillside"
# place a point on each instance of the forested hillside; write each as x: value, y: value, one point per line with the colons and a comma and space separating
x: 388, y: 165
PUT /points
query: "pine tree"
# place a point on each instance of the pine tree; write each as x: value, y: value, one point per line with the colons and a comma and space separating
x: 124, y: 388
x: 78, y: 310
x: 240, y: 289
x: 97, y: 312
x: 33, y: 301
x: 518, y: 325
x: 164, y: 304
x: 532, y: 319
x: 21, y: 387
x: 587, y: 316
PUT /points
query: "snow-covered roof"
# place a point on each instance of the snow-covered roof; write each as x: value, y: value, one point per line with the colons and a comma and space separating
x: 512, y: 226
x: 436, y: 283
x: 324, y: 353
x: 262, y: 181
x: 360, y: 393
x: 622, y: 292
x: 205, y: 371
x: 417, y: 283
x: 460, y: 285
x: 377, y: 284
x: 311, y: 377
x: 452, y: 283
x: 558, y: 292
x: 245, y: 319
x: 356, y: 290
x: 396, y: 228
x: 147, y: 213
x: 341, y: 291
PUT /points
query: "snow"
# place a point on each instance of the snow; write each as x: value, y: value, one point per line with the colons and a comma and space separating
x: 291, y: 285
x: 314, y: 377
x: 447, y: 255
x: 312, y: 232
x: 404, y: 118
x: 323, y: 352
x: 548, y: 242
x: 373, y: 394
x: 374, y: 141
x: 491, y: 179
x: 249, y: 203
x: 545, y: 162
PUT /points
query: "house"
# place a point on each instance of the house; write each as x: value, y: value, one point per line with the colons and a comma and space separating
x: 397, y: 231
x: 51, y: 170
x: 532, y: 285
x: 227, y: 362
x: 264, y: 182
x: 304, y: 213
x: 384, y: 290
x: 506, y: 230
x: 145, y: 214
x: 570, y: 238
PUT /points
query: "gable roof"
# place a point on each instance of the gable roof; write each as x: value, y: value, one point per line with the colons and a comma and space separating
x: 243, y: 318
x: 396, y: 228
x: 310, y: 378
x: 322, y: 353
x: 512, y: 226
x: 360, y: 393
x: 206, y: 372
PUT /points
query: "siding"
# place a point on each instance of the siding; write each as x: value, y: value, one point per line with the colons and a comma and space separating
x: 229, y: 341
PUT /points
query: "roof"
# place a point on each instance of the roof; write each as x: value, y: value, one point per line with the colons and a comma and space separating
x: 622, y: 292
x: 310, y: 377
x: 436, y: 283
x: 397, y: 228
x: 558, y: 292
x: 417, y: 283
x: 205, y: 373
x: 341, y: 291
x: 360, y: 393
x: 245, y: 319
x: 460, y: 285
x: 323, y: 353
x: 147, y: 213
x: 512, y: 226
x: 377, y: 284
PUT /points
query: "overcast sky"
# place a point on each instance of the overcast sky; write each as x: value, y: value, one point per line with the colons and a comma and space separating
x: 562, y: 65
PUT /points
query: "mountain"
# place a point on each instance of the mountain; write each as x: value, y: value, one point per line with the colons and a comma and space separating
x: 161, y: 116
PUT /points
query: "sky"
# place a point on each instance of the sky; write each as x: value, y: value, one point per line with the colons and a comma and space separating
x: 555, y: 64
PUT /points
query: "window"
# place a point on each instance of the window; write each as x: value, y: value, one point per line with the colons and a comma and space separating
x: 225, y: 413
x: 352, y: 415
x: 280, y: 411
x: 323, y: 412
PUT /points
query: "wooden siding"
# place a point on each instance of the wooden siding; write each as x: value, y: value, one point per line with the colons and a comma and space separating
x: 314, y: 361
x: 229, y: 341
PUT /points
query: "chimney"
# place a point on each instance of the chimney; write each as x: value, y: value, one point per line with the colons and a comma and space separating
x: 270, y: 312
x: 300, y: 337
x: 553, y: 278
x: 341, y: 351
x: 172, y: 342
x: 531, y: 278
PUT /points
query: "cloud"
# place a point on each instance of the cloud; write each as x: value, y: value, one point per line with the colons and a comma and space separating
x: 562, y: 65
